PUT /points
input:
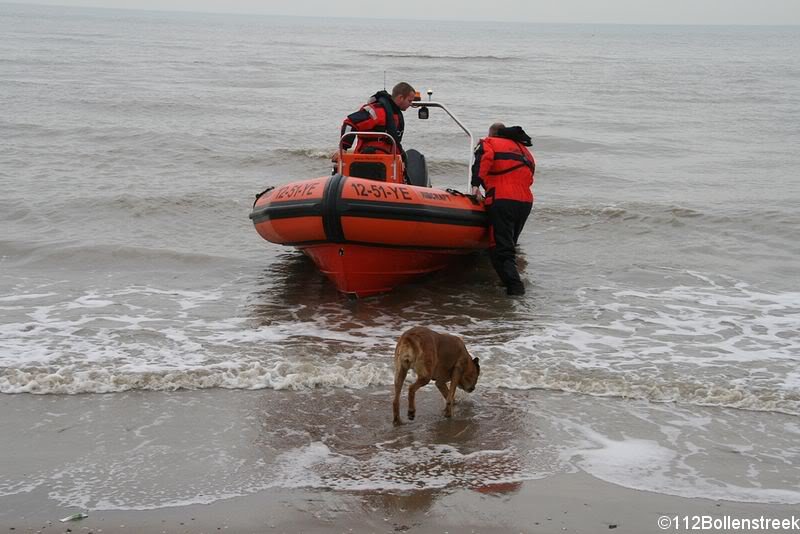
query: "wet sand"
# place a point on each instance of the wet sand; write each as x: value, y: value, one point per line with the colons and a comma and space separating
x: 216, y: 461
x: 562, y: 503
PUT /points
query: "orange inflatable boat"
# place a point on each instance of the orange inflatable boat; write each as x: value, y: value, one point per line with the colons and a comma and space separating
x: 374, y: 224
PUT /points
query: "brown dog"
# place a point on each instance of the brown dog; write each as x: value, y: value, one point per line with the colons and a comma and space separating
x: 433, y: 356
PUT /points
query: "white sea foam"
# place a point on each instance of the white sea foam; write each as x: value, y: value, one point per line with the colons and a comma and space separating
x: 730, y: 346
x: 136, y: 481
x: 130, y: 476
x: 683, y: 455
x: 419, y: 465
x: 29, y: 296
x: 8, y: 487
x: 716, y: 343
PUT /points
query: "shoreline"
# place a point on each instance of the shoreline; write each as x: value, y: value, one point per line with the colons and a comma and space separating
x: 331, y: 461
x: 561, y: 503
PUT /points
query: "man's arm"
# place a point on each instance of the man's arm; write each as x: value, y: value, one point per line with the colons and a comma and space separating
x: 484, y: 155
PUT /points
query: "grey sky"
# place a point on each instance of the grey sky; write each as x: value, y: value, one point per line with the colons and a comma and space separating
x: 588, y: 11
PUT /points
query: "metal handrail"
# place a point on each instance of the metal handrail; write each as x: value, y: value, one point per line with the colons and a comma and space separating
x: 429, y: 104
x: 370, y: 134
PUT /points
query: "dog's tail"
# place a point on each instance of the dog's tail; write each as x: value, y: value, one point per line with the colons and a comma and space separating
x: 408, y: 346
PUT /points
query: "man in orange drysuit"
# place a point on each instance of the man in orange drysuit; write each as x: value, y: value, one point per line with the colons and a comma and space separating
x: 504, y: 167
x: 382, y: 113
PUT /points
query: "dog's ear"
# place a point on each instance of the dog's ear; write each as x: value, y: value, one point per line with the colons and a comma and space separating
x: 475, y: 361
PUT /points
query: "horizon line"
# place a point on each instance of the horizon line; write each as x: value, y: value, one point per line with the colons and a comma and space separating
x: 433, y: 19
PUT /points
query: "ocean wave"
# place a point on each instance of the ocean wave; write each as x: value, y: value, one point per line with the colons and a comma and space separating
x: 691, y: 392
x: 450, y: 167
x: 132, y: 206
x: 152, y: 205
x: 666, y: 214
x: 81, y: 40
x: 623, y: 212
x: 72, y: 254
x: 282, y: 374
x: 304, y: 153
x: 286, y: 376
x: 551, y: 144
x: 447, y: 57
x: 699, y: 340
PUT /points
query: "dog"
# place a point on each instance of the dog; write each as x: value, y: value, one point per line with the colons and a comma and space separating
x: 433, y: 356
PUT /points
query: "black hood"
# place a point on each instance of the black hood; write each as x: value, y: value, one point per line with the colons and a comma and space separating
x: 515, y: 133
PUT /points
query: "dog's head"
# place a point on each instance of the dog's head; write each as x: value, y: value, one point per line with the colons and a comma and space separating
x: 470, y: 376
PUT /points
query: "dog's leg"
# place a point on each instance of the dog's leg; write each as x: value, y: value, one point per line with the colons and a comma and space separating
x: 399, y: 378
x: 455, y: 378
x: 442, y: 385
x: 412, y: 391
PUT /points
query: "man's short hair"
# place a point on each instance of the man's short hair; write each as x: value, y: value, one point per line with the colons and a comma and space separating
x: 402, y: 89
x: 495, y: 128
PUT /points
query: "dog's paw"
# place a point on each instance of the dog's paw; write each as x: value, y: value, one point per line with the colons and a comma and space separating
x: 397, y: 422
x: 411, y: 415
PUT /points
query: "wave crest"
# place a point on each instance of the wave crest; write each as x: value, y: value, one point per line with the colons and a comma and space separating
x: 447, y: 57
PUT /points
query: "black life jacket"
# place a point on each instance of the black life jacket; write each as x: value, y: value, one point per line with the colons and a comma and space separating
x: 393, y: 128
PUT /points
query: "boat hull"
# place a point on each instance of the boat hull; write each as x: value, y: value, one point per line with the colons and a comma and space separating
x: 368, y: 236
x: 368, y: 270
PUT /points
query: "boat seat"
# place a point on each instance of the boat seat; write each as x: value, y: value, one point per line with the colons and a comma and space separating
x: 373, y: 170
x: 372, y: 166
x: 416, y: 169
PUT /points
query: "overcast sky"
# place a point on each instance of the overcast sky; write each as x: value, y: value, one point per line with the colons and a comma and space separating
x: 586, y: 11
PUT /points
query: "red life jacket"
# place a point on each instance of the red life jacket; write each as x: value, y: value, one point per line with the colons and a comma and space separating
x: 504, y: 168
x: 379, y: 114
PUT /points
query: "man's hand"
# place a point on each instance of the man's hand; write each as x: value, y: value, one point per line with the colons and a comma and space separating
x: 335, y: 157
x: 476, y: 192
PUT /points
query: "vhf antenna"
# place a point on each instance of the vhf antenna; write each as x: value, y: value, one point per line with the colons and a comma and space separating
x: 384, y: 80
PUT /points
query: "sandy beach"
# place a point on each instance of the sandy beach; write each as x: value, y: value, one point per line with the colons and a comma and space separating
x: 565, y: 503
x: 216, y: 461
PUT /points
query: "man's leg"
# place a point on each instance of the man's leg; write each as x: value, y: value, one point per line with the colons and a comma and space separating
x: 522, y: 213
x: 503, y: 254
